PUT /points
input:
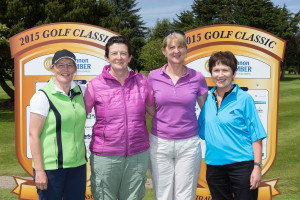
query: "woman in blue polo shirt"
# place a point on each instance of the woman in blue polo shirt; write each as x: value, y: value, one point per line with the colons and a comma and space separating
x: 233, y: 134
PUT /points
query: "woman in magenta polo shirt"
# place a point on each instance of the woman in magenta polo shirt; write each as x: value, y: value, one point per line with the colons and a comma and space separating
x: 175, y: 151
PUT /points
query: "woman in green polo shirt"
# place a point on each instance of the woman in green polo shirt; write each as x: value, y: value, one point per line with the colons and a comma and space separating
x: 56, y: 130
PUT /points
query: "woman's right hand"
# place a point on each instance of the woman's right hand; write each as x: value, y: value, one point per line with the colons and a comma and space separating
x: 41, y: 180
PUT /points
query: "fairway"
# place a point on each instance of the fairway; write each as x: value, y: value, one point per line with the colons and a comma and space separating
x: 287, y: 162
x: 286, y: 165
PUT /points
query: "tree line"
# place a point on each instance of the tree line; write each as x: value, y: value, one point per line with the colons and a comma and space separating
x: 122, y: 16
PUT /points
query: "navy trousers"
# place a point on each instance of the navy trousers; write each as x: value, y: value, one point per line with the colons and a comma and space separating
x: 67, y: 184
x: 231, y: 182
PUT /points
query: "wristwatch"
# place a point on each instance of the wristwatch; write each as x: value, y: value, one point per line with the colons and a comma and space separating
x: 258, y: 164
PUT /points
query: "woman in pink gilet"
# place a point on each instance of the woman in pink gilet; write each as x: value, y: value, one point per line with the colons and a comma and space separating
x: 120, y: 143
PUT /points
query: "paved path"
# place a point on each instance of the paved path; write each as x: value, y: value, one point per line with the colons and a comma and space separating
x: 7, y: 182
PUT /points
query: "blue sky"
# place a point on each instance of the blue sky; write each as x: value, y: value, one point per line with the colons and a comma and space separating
x: 151, y: 10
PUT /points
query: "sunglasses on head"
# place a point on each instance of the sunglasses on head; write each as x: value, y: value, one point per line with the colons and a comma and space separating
x: 174, y: 31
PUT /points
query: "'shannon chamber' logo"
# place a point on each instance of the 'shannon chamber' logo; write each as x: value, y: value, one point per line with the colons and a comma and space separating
x: 48, y: 63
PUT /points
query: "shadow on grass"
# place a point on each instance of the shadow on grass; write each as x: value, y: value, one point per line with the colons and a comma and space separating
x: 6, y: 111
x: 289, y: 79
x: 7, y: 116
x: 6, y: 104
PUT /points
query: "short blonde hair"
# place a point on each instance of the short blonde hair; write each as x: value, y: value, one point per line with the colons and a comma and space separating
x: 181, y: 40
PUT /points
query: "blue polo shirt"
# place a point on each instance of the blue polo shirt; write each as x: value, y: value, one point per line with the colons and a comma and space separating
x: 230, y: 130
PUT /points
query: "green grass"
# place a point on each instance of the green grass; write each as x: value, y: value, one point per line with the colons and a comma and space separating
x: 286, y: 165
x: 287, y: 162
x: 149, y: 195
x: 8, y: 161
x: 3, y: 96
x: 145, y: 72
x: 5, y: 194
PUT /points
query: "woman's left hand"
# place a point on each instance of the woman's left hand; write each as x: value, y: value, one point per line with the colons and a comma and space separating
x: 255, y: 178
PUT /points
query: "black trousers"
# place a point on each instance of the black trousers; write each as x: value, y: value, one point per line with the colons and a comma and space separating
x: 231, y: 182
x: 67, y: 184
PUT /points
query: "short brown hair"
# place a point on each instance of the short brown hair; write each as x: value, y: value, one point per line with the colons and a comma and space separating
x: 224, y: 57
x: 119, y: 40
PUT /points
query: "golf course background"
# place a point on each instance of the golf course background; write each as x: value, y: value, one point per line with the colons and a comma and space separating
x: 286, y: 165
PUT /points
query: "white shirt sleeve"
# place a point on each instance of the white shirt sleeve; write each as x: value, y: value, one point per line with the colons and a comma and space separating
x: 39, y: 104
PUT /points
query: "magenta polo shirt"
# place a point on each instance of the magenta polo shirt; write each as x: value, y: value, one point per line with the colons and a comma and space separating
x: 175, y: 115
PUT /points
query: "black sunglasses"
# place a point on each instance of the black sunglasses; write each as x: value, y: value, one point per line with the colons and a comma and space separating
x: 173, y: 31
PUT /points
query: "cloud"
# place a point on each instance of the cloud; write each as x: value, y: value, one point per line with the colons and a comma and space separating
x: 151, y: 15
x: 161, y: 11
x: 164, y: 10
x: 152, y: 10
x: 294, y: 8
x: 292, y: 5
x: 151, y: 1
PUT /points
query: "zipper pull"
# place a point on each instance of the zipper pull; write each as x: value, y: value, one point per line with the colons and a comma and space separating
x: 73, y: 103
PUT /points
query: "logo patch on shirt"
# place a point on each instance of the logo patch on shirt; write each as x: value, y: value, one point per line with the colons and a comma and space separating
x: 232, y: 112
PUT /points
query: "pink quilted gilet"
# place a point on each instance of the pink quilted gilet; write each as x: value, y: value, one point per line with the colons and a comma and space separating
x: 120, y: 128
